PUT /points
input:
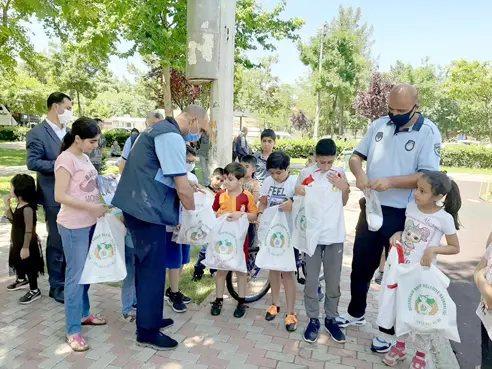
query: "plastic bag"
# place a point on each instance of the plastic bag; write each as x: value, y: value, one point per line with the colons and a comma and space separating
x: 374, y: 213
x: 106, y: 258
x: 107, y: 187
x: 197, y: 225
x: 299, y: 219
x: 423, y: 305
x: 226, y: 251
x: 482, y: 312
x: 276, y: 248
x: 387, y: 293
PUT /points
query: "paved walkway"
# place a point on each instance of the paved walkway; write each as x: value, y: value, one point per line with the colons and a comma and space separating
x: 32, y: 336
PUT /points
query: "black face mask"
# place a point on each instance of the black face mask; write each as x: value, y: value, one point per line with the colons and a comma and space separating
x: 401, y: 119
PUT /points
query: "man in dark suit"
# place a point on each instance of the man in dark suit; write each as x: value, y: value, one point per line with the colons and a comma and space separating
x: 43, y: 147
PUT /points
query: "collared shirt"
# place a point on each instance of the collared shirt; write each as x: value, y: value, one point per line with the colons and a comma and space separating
x: 60, y: 132
x: 390, y: 152
x: 171, y: 152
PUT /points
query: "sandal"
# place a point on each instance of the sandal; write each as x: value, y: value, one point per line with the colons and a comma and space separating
x: 393, y: 356
x: 418, y: 362
x: 129, y: 318
x: 77, y: 343
x: 94, y: 320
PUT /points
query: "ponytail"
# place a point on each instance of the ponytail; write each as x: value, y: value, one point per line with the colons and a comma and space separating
x: 83, y: 127
x: 68, y: 140
x: 452, y: 203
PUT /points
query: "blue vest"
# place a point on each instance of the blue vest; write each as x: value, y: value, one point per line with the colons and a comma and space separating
x: 138, y: 193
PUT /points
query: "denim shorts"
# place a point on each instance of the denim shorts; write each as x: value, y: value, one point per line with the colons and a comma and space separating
x: 176, y: 255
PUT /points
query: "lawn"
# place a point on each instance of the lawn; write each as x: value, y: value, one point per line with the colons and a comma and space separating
x: 10, y: 157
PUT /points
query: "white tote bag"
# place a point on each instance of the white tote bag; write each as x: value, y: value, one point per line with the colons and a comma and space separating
x: 482, y: 312
x: 226, y: 251
x: 276, y: 248
x: 374, y: 213
x: 197, y: 225
x: 299, y: 218
x: 423, y: 304
x: 387, y: 293
x: 106, y: 258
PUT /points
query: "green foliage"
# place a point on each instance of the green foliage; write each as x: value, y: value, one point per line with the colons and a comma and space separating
x: 467, y: 156
x: 303, y: 148
x: 12, y: 134
x: 114, y: 135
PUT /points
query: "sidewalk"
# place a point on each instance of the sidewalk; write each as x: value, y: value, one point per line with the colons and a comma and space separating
x: 32, y: 336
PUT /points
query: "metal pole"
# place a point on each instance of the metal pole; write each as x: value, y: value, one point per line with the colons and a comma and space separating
x: 318, y: 95
x: 223, y: 90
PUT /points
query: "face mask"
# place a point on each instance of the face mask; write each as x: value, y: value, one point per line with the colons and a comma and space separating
x: 192, y: 137
x: 66, y: 118
x: 190, y: 167
x: 401, y: 119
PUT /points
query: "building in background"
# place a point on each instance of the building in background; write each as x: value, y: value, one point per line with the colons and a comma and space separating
x: 6, y: 119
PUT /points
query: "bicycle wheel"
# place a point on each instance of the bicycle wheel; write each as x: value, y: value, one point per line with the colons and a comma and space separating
x: 321, y: 272
x: 258, y: 283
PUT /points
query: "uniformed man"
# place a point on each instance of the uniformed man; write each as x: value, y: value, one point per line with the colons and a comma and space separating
x: 397, y: 148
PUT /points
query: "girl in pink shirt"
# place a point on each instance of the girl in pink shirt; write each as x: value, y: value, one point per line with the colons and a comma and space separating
x: 76, y: 190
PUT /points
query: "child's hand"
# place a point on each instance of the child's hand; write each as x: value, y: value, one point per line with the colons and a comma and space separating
x: 338, y: 182
x: 395, y: 238
x: 24, y: 253
x: 428, y: 257
x: 235, y: 216
x: 300, y: 190
x: 286, y: 205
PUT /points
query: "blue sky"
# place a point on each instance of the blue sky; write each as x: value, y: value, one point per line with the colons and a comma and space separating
x: 409, y: 31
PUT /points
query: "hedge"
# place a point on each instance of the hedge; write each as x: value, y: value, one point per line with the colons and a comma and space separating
x: 119, y: 136
x: 13, y: 133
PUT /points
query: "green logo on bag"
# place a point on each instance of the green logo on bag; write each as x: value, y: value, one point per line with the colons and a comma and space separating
x: 278, y: 237
x: 225, y: 248
x: 428, y: 303
x: 301, y: 220
x: 197, y: 233
x: 277, y: 240
x: 104, y: 251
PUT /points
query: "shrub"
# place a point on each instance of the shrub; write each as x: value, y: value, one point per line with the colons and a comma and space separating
x: 302, y: 148
x: 13, y: 133
x: 119, y: 136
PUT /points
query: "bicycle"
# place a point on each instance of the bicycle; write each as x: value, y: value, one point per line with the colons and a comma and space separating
x: 258, y: 283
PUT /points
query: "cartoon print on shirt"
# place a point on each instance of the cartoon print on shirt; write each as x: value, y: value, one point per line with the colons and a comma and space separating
x: 414, y: 235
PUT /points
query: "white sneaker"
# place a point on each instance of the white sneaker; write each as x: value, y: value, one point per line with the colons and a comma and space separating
x: 381, y: 345
x: 348, y: 320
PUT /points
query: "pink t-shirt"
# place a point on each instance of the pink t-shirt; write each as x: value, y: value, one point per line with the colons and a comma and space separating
x: 82, y: 186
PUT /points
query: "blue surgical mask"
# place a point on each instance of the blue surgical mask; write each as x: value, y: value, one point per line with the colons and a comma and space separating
x: 192, y: 137
x: 401, y: 119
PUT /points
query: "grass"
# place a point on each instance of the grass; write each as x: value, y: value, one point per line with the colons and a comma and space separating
x: 11, y: 157
x: 468, y: 170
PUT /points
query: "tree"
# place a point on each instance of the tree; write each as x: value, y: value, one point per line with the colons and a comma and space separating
x: 471, y: 82
x: 346, y: 60
x: 300, y: 121
x: 373, y: 102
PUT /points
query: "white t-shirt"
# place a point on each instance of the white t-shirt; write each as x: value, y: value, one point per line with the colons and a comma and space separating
x: 333, y: 232
x: 423, y: 231
x: 192, y: 178
x: 277, y: 193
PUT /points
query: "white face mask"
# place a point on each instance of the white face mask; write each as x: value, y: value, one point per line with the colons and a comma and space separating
x: 66, y: 118
x: 190, y: 166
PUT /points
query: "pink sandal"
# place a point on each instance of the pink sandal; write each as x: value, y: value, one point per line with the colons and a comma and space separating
x: 77, y: 343
x: 94, y: 320
x: 394, y: 355
x: 418, y: 361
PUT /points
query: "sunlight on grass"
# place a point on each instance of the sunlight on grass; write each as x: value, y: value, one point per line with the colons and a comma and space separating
x: 11, y: 157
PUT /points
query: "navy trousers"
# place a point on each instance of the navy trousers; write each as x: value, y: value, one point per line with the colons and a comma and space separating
x: 55, y: 259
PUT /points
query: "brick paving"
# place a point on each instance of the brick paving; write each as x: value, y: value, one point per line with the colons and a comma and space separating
x: 32, y: 336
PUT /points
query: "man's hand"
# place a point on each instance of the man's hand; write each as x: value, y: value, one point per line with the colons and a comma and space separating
x: 235, y: 216
x: 197, y: 187
x: 286, y: 205
x: 338, y: 182
x: 362, y: 182
x: 428, y: 257
x: 395, y: 238
x: 300, y: 190
x: 380, y: 185
x: 24, y: 253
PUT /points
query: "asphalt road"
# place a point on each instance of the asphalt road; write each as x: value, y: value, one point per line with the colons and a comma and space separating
x: 476, y: 218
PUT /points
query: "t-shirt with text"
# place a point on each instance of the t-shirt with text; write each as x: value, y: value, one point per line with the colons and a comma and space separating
x: 277, y: 193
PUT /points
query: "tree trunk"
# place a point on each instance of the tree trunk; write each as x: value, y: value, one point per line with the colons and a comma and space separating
x: 340, y: 111
x: 333, y: 115
x: 79, y: 103
x: 166, y: 90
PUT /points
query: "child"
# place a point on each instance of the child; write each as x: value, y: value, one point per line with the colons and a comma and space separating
x: 329, y: 251
x: 216, y: 183
x: 236, y: 202
x: 434, y: 213
x: 249, y: 183
x: 115, y: 150
x: 179, y: 255
x: 268, y: 139
x: 311, y: 160
x: 278, y: 189
x: 25, y: 256
x: 485, y: 289
x: 76, y: 190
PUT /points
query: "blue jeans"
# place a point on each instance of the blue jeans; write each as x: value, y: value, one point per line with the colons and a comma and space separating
x: 128, y: 294
x: 76, y: 244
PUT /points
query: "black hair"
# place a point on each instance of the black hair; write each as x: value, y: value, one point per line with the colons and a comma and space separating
x: 269, y: 133
x: 441, y: 184
x: 25, y: 188
x: 218, y: 172
x: 236, y: 169
x: 98, y: 120
x: 134, y: 130
x: 325, y: 147
x: 278, y: 160
x: 250, y: 159
x: 84, y: 128
x: 190, y: 150
x: 56, y: 98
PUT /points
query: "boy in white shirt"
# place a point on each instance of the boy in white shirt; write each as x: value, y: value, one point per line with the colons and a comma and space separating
x: 330, y: 244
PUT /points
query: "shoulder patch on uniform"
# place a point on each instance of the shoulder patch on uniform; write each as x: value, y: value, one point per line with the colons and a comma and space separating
x: 379, y: 136
x: 410, y: 145
x: 437, y: 149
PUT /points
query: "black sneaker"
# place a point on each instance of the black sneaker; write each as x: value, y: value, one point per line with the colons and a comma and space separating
x: 176, y: 302
x: 312, y: 331
x: 186, y: 300
x: 159, y: 342
x: 240, y: 310
x: 30, y: 296
x: 166, y: 323
x: 18, y: 285
x: 216, y: 308
x: 197, y: 276
x: 334, y: 329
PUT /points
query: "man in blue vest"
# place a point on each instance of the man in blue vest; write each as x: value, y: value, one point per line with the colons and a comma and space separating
x: 151, y: 187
